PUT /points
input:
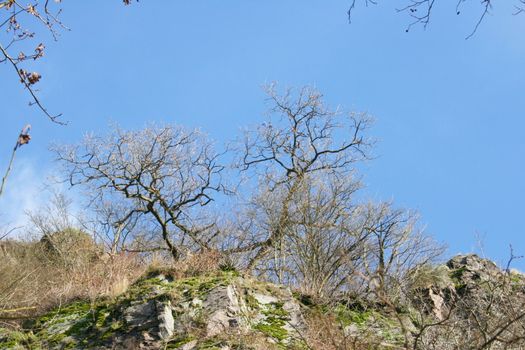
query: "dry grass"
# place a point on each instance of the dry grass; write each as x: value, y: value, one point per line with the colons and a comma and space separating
x: 324, y: 332
x: 34, y: 279
x: 41, y: 274
x: 194, y: 264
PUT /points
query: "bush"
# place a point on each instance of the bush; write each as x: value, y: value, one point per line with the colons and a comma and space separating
x: 70, y: 247
x: 41, y: 274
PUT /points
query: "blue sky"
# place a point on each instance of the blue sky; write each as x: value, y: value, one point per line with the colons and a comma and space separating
x: 448, y: 111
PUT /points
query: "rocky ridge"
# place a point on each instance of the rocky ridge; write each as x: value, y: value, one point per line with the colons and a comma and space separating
x: 205, y: 312
x: 226, y: 310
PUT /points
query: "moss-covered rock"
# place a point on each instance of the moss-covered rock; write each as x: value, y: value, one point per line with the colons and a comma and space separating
x: 214, y: 311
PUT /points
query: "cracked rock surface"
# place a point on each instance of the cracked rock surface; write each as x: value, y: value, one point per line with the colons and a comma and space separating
x: 215, y: 311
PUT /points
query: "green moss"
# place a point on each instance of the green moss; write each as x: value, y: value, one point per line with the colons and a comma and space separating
x: 16, y: 340
x: 211, y: 344
x: 460, y: 287
x: 17, y: 337
x: 276, y: 310
x: 54, y: 338
x: 68, y: 321
x: 456, y: 277
x: 145, y: 289
x: 230, y: 268
x: 385, y: 327
x: 101, y: 317
x: 274, y: 322
x: 516, y: 278
x: 179, y: 341
x: 80, y: 328
x: 393, y: 336
x: 273, y: 328
x: 347, y: 316
x: 116, y: 325
x: 85, y: 324
x: 251, y: 301
x: 79, y: 324
x: 198, y: 287
x: 79, y: 308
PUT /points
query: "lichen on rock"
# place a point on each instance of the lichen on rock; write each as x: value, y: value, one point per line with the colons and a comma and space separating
x: 207, y: 312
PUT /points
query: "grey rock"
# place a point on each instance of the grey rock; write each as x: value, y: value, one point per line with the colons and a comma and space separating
x: 190, y: 346
x: 265, y: 299
x: 352, y: 330
x: 140, y: 315
x: 154, y: 315
x: 166, y: 321
x: 225, y: 308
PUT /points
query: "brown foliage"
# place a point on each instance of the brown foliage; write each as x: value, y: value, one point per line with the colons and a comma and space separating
x: 34, y: 277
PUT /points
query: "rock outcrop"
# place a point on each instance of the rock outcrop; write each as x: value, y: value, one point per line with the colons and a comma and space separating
x: 225, y: 311
x: 207, y: 312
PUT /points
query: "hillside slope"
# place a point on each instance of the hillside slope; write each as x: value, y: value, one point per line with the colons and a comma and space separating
x: 225, y: 310
x: 205, y: 312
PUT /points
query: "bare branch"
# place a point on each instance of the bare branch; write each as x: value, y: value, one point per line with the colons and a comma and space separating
x: 420, y: 11
x: 165, y: 175
x: 305, y: 141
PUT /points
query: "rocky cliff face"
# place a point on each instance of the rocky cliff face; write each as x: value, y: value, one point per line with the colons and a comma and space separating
x: 479, y: 306
x: 471, y: 279
x: 469, y: 306
x: 205, y: 312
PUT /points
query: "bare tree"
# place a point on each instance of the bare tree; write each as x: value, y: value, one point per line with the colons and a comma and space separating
x: 327, y: 236
x: 305, y: 140
x: 59, y: 232
x: 55, y: 216
x: 396, y: 244
x: 322, y: 237
x: 167, y: 174
x: 115, y: 222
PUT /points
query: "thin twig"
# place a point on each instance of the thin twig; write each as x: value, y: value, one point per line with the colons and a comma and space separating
x: 4, y: 179
x: 9, y: 232
x: 23, y: 79
x: 21, y: 140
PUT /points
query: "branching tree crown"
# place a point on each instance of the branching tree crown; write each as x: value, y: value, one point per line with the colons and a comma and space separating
x: 306, y: 140
x: 306, y: 137
x: 168, y: 173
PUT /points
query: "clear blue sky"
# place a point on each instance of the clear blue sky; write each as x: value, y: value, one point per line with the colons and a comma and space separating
x: 449, y: 112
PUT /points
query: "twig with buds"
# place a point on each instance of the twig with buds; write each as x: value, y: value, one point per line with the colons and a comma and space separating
x: 23, y: 139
